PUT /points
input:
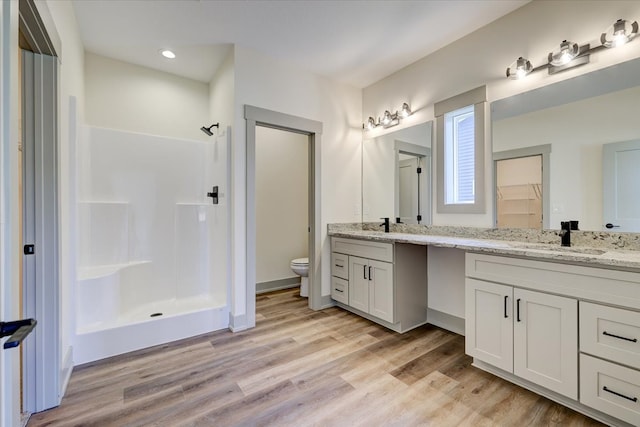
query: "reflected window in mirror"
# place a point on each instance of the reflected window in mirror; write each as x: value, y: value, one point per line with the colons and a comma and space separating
x: 460, y: 122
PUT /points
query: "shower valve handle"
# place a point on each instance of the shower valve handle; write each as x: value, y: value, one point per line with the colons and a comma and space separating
x: 214, y: 194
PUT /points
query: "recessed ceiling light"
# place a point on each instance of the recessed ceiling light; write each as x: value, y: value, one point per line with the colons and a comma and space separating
x: 167, y: 53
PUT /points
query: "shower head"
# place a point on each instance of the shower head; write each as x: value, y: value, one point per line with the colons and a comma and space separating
x: 208, y: 130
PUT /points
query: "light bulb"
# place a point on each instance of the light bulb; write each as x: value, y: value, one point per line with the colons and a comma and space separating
x: 386, y: 119
x: 406, y: 110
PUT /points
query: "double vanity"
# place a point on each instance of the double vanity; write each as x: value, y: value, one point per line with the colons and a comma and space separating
x: 562, y: 322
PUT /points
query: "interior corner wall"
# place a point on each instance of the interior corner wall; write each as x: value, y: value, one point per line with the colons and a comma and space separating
x: 222, y: 93
x: 129, y: 97
x: 63, y: 27
x: 275, y: 85
x: 480, y: 58
x: 282, y: 209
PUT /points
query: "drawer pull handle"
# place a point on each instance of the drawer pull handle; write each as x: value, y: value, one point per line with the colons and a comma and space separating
x: 633, y: 399
x: 339, y: 266
x: 338, y: 290
x: 619, y: 337
x: 506, y: 297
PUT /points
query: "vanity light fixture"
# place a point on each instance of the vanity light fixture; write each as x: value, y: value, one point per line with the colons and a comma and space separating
x: 570, y: 54
x: 619, y: 33
x: 388, y: 119
x: 519, y: 69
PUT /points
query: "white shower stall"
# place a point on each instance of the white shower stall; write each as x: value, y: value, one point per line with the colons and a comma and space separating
x: 153, y: 248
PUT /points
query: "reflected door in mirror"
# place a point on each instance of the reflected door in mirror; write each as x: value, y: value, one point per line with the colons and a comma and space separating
x: 621, y: 176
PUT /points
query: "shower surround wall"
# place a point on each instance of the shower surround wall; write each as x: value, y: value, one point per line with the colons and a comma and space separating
x: 150, y: 241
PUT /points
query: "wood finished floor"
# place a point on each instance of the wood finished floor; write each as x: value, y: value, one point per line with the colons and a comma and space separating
x: 298, y: 367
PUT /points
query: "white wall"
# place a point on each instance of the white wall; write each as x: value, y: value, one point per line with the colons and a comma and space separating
x: 482, y: 58
x: 222, y: 92
x: 282, y: 209
x: 268, y: 83
x: 129, y: 97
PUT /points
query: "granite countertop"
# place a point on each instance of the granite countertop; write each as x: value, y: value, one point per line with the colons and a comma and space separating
x: 596, y: 256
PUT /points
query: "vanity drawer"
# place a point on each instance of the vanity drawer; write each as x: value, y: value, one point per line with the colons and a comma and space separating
x: 363, y: 248
x: 611, y: 333
x: 340, y: 265
x: 610, y: 388
x: 340, y: 290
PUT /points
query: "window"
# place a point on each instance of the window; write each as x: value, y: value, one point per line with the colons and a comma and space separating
x: 459, y: 156
x: 461, y: 152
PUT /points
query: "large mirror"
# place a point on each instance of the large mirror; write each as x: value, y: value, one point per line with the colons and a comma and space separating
x: 396, y: 176
x: 586, y: 132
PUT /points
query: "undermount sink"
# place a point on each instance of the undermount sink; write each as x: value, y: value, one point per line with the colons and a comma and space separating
x: 578, y: 250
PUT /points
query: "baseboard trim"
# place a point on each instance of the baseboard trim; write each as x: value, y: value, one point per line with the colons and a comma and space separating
x: 237, y: 323
x: 65, y: 373
x: 276, y: 285
x: 326, y: 302
x: 445, y: 321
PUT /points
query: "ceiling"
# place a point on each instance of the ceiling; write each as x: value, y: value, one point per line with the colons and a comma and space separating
x: 354, y: 42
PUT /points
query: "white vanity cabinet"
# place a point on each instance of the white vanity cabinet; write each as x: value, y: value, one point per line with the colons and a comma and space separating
x: 524, y: 319
x: 384, y: 282
x: 610, y: 381
x: 530, y: 334
x: 371, y: 287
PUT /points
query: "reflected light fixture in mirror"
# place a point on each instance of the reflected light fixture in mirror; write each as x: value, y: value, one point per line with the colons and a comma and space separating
x: 388, y: 119
x: 619, y: 33
x: 519, y: 69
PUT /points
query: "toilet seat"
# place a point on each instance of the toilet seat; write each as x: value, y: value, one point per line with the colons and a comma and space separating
x: 300, y: 261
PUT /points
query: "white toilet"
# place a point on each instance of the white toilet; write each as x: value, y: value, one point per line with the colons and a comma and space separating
x: 300, y: 266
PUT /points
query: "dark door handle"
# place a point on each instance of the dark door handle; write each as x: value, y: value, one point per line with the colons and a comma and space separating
x: 506, y: 298
x: 370, y: 273
x: 17, y: 331
x: 214, y: 194
x: 619, y: 337
x: 364, y: 272
x: 610, y: 226
x: 633, y: 399
x: 518, y: 309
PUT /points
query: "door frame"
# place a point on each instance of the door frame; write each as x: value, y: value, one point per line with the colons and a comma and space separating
x: 537, y: 150
x: 9, y: 239
x: 256, y: 116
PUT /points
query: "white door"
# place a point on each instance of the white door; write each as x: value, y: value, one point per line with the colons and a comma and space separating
x: 620, y: 177
x: 489, y: 323
x: 381, y: 299
x: 359, y: 283
x: 408, y: 190
x: 545, y: 343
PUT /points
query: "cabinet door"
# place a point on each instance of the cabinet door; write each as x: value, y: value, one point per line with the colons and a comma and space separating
x: 359, y: 283
x: 546, y: 341
x: 489, y: 323
x: 381, y: 296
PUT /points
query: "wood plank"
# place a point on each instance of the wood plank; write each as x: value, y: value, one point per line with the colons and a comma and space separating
x: 300, y: 367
